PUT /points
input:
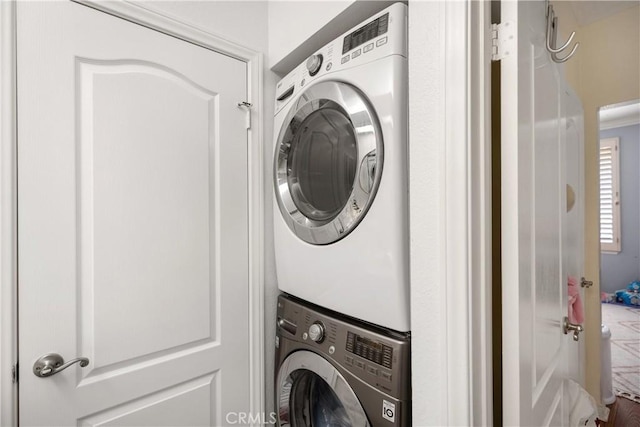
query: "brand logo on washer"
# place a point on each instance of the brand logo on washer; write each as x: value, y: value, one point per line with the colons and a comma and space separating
x: 388, y: 411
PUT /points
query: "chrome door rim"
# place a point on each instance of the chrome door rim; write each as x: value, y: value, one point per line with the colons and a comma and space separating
x: 306, y: 360
x: 355, y: 107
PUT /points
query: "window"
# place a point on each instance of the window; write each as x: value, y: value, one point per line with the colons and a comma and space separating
x: 609, y: 195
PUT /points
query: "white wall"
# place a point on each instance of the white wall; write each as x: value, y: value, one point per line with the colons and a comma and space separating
x: 299, y: 28
x: 293, y: 22
x: 241, y: 22
x: 427, y: 180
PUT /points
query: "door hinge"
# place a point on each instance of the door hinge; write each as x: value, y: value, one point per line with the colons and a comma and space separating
x: 14, y: 374
x: 502, y: 39
x: 247, y: 106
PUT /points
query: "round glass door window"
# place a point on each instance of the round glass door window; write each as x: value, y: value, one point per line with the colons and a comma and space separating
x: 314, y: 403
x: 328, y: 162
x: 313, y: 393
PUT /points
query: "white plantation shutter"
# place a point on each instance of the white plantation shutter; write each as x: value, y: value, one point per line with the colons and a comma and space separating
x: 609, y: 195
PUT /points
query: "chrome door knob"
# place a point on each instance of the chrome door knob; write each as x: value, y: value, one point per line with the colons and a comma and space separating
x: 572, y: 327
x: 52, y: 363
x: 316, y: 332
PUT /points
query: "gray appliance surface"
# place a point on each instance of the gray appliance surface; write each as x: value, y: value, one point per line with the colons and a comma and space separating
x: 373, y: 362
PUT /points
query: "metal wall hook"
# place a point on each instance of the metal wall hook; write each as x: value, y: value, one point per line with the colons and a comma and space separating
x: 553, y: 28
x: 552, y: 33
x: 566, y: 58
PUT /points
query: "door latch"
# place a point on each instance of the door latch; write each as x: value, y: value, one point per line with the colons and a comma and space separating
x: 585, y: 283
x: 572, y: 327
x: 246, y: 105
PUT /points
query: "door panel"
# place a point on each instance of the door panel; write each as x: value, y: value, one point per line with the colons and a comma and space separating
x: 144, y: 201
x: 186, y: 404
x: 534, y: 225
x: 133, y: 240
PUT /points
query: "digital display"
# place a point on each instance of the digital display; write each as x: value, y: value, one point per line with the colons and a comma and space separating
x: 367, y: 32
x: 371, y: 350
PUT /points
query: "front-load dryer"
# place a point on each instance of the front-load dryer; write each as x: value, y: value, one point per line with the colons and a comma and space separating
x: 333, y: 371
x: 340, y: 174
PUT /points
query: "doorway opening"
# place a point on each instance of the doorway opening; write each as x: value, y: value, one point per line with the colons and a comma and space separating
x: 619, y: 157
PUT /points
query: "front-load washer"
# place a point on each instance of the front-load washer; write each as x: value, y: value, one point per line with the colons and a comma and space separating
x: 332, y: 371
x: 340, y: 174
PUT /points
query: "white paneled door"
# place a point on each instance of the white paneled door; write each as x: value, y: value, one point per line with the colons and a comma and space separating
x: 133, y: 232
x: 541, y: 240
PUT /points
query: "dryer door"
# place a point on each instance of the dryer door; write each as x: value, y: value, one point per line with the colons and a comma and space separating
x: 311, y: 392
x: 328, y: 162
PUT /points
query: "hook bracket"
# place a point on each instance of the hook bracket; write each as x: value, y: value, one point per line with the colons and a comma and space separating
x: 551, y: 36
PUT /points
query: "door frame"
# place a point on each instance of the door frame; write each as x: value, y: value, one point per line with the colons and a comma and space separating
x: 8, y: 187
x: 450, y: 211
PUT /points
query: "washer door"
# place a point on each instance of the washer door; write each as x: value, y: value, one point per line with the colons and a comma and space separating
x: 328, y: 162
x: 311, y: 392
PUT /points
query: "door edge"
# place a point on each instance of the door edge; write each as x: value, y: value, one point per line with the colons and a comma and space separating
x: 8, y: 216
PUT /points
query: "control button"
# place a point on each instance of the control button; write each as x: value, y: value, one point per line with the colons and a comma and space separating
x: 314, y: 63
x: 385, y: 375
x: 372, y: 370
x: 332, y: 349
x: 316, y: 332
x: 329, y: 65
x: 302, y: 82
x: 348, y: 360
x: 381, y: 41
x: 345, y: 59
x: 356, y: 53
x: 368, y: 47
x: 359, y: 364
x: 305, y: 336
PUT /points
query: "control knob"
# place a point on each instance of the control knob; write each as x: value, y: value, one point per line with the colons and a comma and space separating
x: 316, y: 332
x: 314, y: 63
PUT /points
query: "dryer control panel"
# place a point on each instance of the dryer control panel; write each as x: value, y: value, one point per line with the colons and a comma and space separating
x: 378, y: 356
x: 382, y: 35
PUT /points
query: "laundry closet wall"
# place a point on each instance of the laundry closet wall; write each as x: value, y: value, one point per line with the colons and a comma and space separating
x: 438, y: 61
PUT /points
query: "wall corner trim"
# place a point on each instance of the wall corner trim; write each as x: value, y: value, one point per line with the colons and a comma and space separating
x: 450, y: 212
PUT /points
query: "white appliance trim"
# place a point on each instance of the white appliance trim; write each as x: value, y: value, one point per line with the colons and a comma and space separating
x: 8, y: 186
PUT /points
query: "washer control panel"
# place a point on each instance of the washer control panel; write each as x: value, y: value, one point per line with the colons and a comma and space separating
x: 382, y: 35
x: 378, y: 356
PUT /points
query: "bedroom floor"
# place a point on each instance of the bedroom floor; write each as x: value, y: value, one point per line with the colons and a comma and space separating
x: 623, y: 413
x: 624, y: 323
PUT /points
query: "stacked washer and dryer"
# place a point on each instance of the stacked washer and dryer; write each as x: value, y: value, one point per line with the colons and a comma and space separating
x: 341, y: 231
